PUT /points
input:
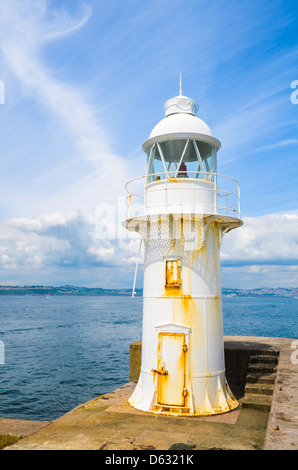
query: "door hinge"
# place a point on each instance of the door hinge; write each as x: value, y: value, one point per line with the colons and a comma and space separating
x: 185, y: 392
x: 184, y: 347
x: 160, y: 372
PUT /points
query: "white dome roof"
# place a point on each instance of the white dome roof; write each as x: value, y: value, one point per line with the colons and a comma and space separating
x: 181, y: 122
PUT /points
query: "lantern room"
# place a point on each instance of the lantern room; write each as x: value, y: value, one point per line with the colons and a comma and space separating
x: 181, y: 145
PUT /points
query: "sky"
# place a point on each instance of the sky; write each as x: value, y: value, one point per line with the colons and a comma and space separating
x: 82, y: 84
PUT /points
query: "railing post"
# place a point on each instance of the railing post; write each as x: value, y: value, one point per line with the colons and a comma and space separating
x: 215, y: 193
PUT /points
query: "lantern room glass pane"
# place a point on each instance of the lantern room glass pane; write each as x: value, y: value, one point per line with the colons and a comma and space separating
x: 207, y: 158
x: 181, y: 158
x: 155, y: 166
x: 172, y: 151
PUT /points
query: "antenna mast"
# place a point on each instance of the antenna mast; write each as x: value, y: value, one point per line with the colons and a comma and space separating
x: 180, y: 85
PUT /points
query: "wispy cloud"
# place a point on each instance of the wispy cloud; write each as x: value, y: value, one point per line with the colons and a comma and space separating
x: 25, y: 28
x: 258, y: 105
x: 276, y: 145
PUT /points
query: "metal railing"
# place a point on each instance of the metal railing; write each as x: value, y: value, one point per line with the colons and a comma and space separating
x: 226, y: 198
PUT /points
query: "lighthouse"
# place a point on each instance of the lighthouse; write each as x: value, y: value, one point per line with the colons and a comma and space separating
x: 181, y: 208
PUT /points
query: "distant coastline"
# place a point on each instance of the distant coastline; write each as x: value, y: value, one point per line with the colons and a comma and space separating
x: 68, y: 290
x: 262, y: 292
x: 64, y: 290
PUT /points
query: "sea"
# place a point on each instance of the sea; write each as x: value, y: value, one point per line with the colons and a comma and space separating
x: 59, y: 352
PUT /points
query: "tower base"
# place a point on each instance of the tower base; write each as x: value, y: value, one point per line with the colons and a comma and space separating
x: 209, y: 395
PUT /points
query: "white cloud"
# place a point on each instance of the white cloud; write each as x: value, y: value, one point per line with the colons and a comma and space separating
x: 269, y: 239
x: 68, y: 240
x: 275, y: 275
x: 61, y: 239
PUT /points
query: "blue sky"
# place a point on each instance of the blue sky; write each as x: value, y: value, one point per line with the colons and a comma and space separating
x: 85, y: 82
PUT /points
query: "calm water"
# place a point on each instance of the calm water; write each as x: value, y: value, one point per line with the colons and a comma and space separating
x: 63, y: 351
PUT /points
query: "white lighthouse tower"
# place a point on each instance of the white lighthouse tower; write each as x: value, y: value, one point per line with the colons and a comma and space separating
x: 182, y: 208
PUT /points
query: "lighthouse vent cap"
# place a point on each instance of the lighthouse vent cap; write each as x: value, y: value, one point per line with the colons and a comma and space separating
x: 181, y: 104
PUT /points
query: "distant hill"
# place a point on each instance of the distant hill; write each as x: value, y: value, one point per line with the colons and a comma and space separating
x: 262, y: 292
x: 64, y: 290
x: 97, y: 291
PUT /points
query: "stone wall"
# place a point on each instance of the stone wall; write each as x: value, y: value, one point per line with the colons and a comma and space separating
x: 237, y: 356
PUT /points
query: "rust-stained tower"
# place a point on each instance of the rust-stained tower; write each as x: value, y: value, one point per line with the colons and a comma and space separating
x: 187, y: 209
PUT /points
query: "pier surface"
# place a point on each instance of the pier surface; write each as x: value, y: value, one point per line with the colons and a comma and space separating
x: 262, y: 373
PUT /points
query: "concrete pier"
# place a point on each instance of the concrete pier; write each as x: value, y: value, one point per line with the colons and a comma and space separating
x: 262, y: 373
